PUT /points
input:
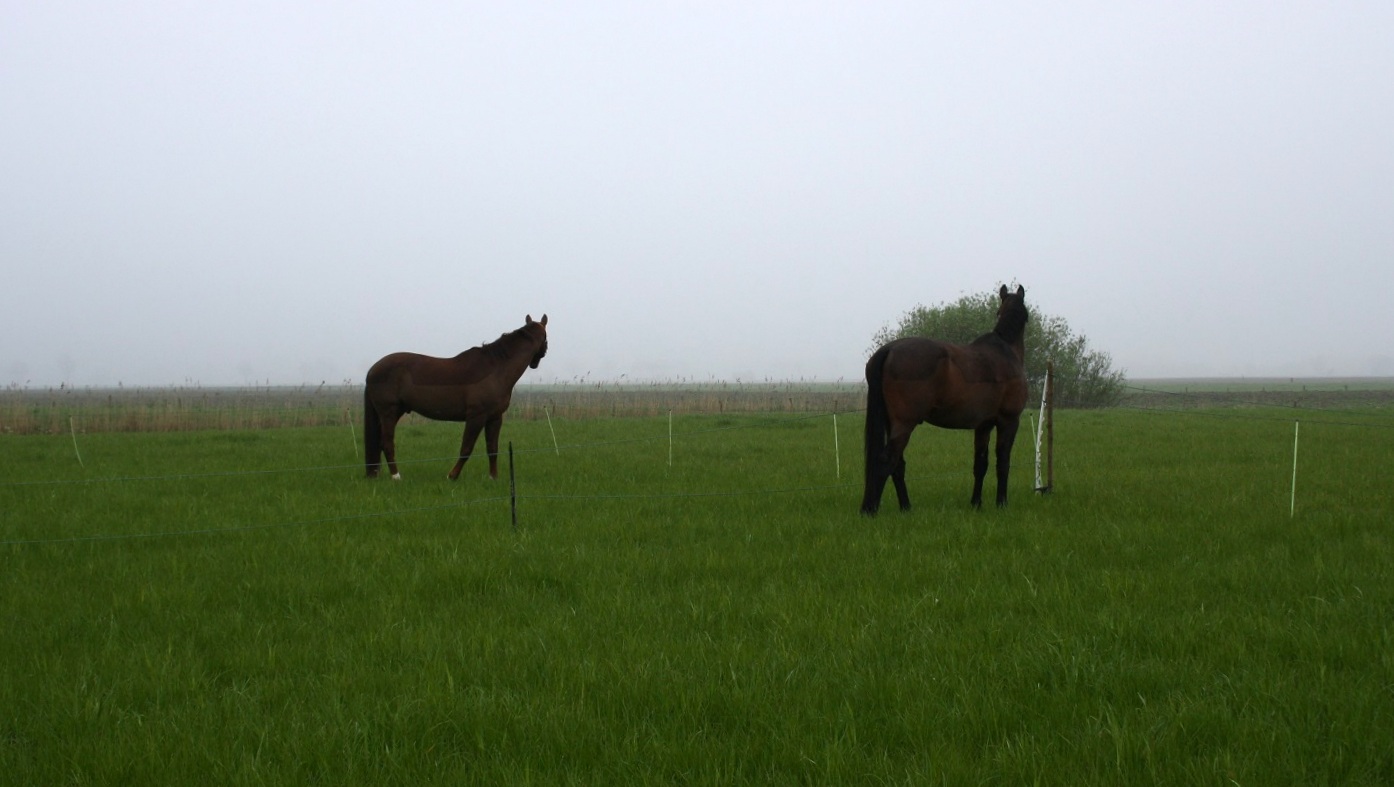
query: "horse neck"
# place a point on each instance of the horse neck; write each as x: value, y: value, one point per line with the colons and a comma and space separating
x: 514, y: 367
x: 1014, y: 338
x: 513, y: 356
x: 1019, y: 348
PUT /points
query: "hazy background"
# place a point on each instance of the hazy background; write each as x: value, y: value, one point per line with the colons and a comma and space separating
x: 233, y: 193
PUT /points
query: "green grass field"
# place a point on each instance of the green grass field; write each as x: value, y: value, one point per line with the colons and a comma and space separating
x: 242, y: 607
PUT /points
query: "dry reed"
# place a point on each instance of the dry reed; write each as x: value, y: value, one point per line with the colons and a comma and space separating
x: 56, y: 410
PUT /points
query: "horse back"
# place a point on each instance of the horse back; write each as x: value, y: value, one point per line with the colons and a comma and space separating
x: 467, y: 368
x: 443, y: 389
x: 956, y: 386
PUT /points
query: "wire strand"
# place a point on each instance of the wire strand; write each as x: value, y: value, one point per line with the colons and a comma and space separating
x: 746, y: 425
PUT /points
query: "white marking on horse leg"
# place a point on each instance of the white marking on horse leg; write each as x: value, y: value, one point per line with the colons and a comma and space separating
x: 396, y: 476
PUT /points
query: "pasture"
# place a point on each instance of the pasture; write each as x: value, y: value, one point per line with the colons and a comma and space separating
x: 243, y: 607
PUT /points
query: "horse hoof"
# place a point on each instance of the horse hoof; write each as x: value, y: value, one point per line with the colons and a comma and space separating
x: 396, y: 476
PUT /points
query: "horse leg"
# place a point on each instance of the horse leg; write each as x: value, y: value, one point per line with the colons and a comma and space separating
x: 373, y: 458
x: 389, y: 441
x: 466, y: 448
x: 980, y: 440
x: 1006, y: 435
x: 895, y: 461
x: 901, y: 492
x: 491, y: 442
x: 372, y: 438
x: 897, y: 468
x: 876, y: 474
x: 890, y: 464
x: 878, y: 469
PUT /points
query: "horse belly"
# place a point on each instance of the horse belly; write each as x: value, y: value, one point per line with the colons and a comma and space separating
x: 439, y: 402
x: 949, y: 418
x: 972, y: 406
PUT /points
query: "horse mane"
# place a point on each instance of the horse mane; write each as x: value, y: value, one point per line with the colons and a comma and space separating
x: 500, y: 348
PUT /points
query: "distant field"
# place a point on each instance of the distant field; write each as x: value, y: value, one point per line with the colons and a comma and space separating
x: 52, y: 411
x: 242, y: 607
x: 1293, y: 392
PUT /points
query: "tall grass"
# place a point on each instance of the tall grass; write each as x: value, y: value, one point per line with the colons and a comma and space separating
x: 726, y: 618
x: 66, y: 409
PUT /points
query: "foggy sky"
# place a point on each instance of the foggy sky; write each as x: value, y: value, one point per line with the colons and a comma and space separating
x: 235, y: 193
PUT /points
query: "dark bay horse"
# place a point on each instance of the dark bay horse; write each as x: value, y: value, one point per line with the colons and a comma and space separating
x: 475, y: 386
x: 979, y: 386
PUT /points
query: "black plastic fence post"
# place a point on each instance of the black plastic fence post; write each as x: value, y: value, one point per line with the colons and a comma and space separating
x: 512, y: 487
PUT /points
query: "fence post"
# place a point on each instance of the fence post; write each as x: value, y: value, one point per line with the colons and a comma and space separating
x: 1050, y: 425
x: 1292, y: 505
x: 837, y: 450
x: 512, y: 488
x: 72, y: 429
x: 555, y: 447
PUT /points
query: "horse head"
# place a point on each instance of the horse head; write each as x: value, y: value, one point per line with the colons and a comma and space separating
x: 1012, y: 313
x: 534, y: 328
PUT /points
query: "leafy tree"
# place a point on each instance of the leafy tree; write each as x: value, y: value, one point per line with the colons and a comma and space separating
x: 1083, y: 377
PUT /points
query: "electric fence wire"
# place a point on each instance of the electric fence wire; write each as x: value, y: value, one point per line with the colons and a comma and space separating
x: 373, y: 515
x: 246, y: 528
x: 769, y: 422
x: 1210, y: 411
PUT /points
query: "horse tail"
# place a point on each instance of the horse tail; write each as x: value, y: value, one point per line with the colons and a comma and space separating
x: 877, y: 416
x: 372, y: 435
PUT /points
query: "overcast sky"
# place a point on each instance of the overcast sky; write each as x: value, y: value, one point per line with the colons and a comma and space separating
x: 232, y: 193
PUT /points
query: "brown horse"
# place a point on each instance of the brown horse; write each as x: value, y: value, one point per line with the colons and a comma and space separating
x: 978, y: 386
x: 474, y: 386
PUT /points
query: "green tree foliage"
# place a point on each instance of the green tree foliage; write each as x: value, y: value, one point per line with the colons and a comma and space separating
x: 1083, y: 377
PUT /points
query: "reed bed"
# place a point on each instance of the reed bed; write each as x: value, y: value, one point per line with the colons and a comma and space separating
x: 193, y: 408
x: 180, y: 409
x: 1314, y: 393
x: 719, y: 398
x: 175, y: 409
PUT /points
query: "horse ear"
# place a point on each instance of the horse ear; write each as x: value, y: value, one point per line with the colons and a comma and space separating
x: 1021, y: 291
x: 544, y: 321
x: 528, y: 320
x: 1002, y: 293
